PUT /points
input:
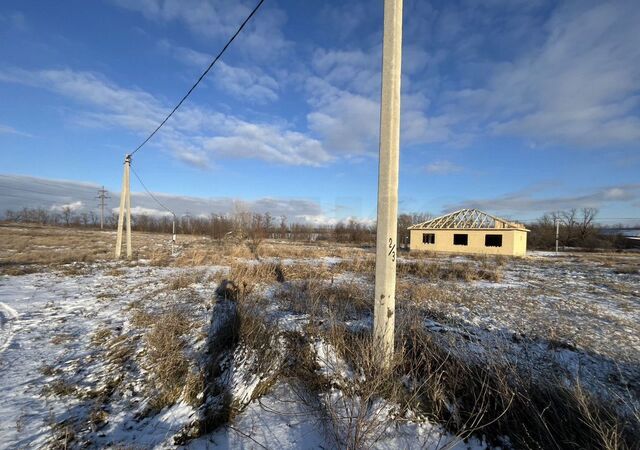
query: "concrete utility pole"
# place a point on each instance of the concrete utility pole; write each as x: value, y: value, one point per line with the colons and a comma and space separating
x: 102, y: 195
x: 385, y: 290
x: 125, y: 205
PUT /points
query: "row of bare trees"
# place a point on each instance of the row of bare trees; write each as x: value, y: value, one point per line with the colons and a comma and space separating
x: 64, y: 217
x: 578, y: 227
x: 243, y: 224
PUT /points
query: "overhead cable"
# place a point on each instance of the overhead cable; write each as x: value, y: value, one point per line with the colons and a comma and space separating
x: 201, y: 76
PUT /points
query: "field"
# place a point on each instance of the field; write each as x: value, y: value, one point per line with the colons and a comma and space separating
x: 266, y: 344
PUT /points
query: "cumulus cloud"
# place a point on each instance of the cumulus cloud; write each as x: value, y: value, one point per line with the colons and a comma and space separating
x: 344, y: 95
x: 185, y: 55
x: 192, y: 134
x: 219, y: 20
x: 247, y: 83
x: 142, y: 211
x: 567, y: 77
x: 561, y: 73
x: 73, y: 206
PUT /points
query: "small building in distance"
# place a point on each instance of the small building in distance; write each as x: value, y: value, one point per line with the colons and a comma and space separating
x: 469, y: 231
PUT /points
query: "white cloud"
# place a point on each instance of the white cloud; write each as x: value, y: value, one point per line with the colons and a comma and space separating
x: 192, y: 134
x: 271, y: 144
x: 572, y: 80
x: 345, y: 99
x: 219, y: 20
x: 348, y: 123
x: 73, y: 206
x: 443, y: 168
x: 6, y: 129
x: 250, y: 83
x: 185, y: 55
x: 142, y: 211
x: 318, y: 219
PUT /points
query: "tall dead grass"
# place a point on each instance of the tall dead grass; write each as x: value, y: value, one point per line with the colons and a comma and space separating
x: 165, y: 356
x: 468, y: 395
x: 429, y: 270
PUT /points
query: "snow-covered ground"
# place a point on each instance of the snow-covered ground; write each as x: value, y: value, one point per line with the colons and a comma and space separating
x: 55, y: 376
x: 51, y: 369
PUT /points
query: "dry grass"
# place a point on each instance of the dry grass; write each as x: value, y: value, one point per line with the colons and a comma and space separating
x: 467, y: 395
x: 63, y: 437
x: 429, y: 269
x: 185, y: 279
x: 60, y: 387
x: 101, y: 336
x: 120, y: 349
x: 299, y: 250
x: 62, y: 338
x: 30, y: 248
x: 317, y: 298
x: 115, y: 272
x: 207, y: 252
x: 165, y: 358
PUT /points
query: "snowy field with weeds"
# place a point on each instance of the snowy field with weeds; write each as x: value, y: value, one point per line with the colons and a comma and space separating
x: 267, y: 345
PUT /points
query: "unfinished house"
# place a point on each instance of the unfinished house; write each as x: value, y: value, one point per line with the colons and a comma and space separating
x: 469, y: 231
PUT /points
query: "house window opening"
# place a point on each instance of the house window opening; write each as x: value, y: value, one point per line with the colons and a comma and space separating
x: 493, y: 240
x: 428, y: 238
x: 460, y: 239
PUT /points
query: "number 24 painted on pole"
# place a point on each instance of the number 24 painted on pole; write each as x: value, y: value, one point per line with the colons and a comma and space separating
x: 392, y: 250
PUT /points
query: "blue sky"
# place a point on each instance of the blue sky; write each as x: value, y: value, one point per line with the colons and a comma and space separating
x: 515, y: 107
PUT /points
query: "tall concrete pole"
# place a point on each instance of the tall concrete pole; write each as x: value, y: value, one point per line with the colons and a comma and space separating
x: 386, y: 245
x: 125, y: 209
x: 127, y: 168
x: 123, y: 192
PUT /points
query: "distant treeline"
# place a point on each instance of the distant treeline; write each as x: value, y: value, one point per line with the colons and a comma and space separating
x: 217, y: 226
x: 577, y: 227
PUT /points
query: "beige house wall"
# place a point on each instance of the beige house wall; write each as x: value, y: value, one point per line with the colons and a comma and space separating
x: 514, y: 242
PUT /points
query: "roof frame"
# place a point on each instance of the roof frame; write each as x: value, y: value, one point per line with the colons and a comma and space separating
x: 468, y: 219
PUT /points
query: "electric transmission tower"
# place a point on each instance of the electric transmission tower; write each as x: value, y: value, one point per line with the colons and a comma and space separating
x: 102, y: 196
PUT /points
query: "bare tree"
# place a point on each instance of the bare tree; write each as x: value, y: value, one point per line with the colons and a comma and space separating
x: 586, y: 226
x: 67, y: 214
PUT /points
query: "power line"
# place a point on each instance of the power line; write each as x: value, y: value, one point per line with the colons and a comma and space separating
x: 201, y: 76
x: 149, y: 192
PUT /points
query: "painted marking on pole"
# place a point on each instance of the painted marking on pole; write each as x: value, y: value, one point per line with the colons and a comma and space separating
x: 392, y: 251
